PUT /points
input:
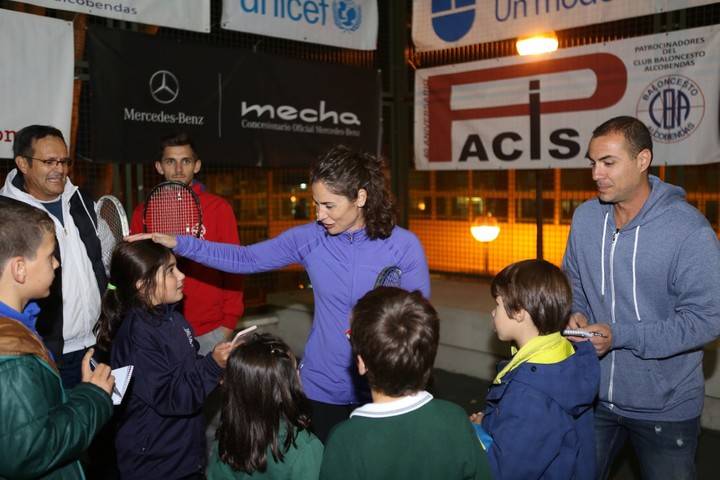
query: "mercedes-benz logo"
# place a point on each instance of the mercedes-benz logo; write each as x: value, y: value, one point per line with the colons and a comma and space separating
x: 164, y: 86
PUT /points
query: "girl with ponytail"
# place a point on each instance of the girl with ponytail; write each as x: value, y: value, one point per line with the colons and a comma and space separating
x: 161, y: 426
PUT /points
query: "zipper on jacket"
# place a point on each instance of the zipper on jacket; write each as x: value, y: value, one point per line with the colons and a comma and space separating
x: 612, y: 312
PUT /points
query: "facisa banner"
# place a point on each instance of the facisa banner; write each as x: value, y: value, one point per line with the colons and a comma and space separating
x: 440, y: 24
x: 528, y: 113
x: 36, y: 81
x: 183, y: 14
x: 241, y: 108
x: 340, y: 23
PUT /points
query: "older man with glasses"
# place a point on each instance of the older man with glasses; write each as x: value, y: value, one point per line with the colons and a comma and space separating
x: 66, y: 318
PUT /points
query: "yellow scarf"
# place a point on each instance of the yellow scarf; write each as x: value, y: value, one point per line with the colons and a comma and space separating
x: 543, y: 349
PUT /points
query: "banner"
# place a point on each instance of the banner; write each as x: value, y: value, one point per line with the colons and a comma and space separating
x: 36, y: 81
x: 183, y: 14
x: 439, y: 24
x: 340, y: 23
x: 241, y: 108
x: 525, y: 113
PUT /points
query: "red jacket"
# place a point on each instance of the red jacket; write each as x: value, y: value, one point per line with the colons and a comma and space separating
x: 212, y: 298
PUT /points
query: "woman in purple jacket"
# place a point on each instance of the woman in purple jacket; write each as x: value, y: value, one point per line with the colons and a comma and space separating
x: 352, y: 241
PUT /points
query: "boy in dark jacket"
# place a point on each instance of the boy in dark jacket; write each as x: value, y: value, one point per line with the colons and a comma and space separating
x: 404, y: 434
x: 43, y: 428
x: 539, y: 407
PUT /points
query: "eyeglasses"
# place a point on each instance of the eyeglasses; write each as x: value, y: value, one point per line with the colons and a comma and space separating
x: 53, y: 162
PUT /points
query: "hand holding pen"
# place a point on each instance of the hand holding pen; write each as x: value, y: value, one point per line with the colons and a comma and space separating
x: 98, y: 374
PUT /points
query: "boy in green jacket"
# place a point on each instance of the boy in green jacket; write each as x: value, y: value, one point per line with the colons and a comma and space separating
x: 404, y: 433
x: 43, y: 429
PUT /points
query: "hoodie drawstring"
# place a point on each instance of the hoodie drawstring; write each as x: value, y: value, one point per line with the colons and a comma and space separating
x: 602, y: 257
x: 637, y: 311
x: 634, y: 266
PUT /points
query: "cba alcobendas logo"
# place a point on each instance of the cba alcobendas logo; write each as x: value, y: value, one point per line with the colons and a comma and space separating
x: 347, y: 15
x: 672, y: 107
x: 451, y: 23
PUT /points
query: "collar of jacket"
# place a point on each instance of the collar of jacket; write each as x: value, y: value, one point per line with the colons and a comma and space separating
x: 16, y: 339
x: 543, y: 349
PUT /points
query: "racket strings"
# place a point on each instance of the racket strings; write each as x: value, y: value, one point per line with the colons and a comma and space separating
x: 172, y: 210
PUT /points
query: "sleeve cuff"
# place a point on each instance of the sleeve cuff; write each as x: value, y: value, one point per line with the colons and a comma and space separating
x: 182, y: 244
x: 230, y: 321
x: 624, y: 336
x: 213, y: 367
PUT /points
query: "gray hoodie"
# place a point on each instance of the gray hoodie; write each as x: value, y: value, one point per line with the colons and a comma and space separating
x: 656, y: 282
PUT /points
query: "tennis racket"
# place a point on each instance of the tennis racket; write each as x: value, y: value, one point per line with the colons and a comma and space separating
x: 388, y: 277
x: 112, y: 226
x: 173, y: 208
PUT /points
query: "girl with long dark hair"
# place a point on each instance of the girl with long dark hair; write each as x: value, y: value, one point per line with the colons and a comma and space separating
x: 265, y: 417
x: 161, y: 426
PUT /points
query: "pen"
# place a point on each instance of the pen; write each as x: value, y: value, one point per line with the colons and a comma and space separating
x: 94, y: 365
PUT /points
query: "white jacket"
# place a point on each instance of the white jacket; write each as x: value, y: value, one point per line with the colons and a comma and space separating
x: 81, y: 295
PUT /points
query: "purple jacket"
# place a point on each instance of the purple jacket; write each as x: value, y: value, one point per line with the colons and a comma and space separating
x: 342, y: 268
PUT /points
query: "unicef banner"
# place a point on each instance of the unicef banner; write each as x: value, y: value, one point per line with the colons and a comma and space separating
x: 439, y: 24
x: 242, y: 108
x: 36, y: 82
x: 340, y: 23
x: 183, y: 14
x: 528, y: 113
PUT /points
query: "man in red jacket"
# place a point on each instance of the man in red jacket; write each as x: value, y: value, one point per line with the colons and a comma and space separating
x: 213, y: 300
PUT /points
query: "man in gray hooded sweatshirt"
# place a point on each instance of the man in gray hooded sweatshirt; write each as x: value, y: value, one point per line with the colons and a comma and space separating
x: 645, y: 270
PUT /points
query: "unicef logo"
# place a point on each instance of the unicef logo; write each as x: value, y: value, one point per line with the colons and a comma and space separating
x: 164, y: 86
x: 347, y: 15
x: 451, y: 23
x: 672, y: 107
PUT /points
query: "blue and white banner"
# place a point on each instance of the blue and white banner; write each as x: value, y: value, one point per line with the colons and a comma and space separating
x: 183, y: 14
x: 340, y: 23
x: 539, y: 112
x: 440, y: 24
x: 36, y: 82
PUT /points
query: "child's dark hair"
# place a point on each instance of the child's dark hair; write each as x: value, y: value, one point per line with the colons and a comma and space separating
x: 131, y: 262
x: 22, y: 229
x: 344, y: 172
x: 396, y: 334
x: 538, y: 287
x: 261, y: 391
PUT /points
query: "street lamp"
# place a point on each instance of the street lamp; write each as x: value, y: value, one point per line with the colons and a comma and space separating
x: 485, y: 229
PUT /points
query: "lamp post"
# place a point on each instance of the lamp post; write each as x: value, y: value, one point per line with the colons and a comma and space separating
x: 485, y: 229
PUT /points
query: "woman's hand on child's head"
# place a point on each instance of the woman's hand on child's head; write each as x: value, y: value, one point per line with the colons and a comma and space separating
x: 168, y: 241
x: 221, y: 352
x: 101, y: 376
x: 476, y: 418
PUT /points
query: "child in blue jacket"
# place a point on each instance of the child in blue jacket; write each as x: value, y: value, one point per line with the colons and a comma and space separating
x: 161, y: 426
x: 539, y: 406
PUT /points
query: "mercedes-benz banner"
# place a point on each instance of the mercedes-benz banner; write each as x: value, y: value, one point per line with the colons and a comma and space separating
x: 241, y: 108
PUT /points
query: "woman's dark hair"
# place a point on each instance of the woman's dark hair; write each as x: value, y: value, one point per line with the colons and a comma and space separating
x: 131, y: 262
x: 538, y: 287
x: 261, y: 391
x: 344, y: 172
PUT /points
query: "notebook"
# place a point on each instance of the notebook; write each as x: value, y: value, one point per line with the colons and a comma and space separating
x: 122, y: 380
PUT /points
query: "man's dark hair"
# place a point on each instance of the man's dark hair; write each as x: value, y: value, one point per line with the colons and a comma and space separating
x: 635, y: 132
x: 177, y: 139
x: 396, y: 333
x: 538, y: 287
x: 24, y: 139
x: 22, y: 228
